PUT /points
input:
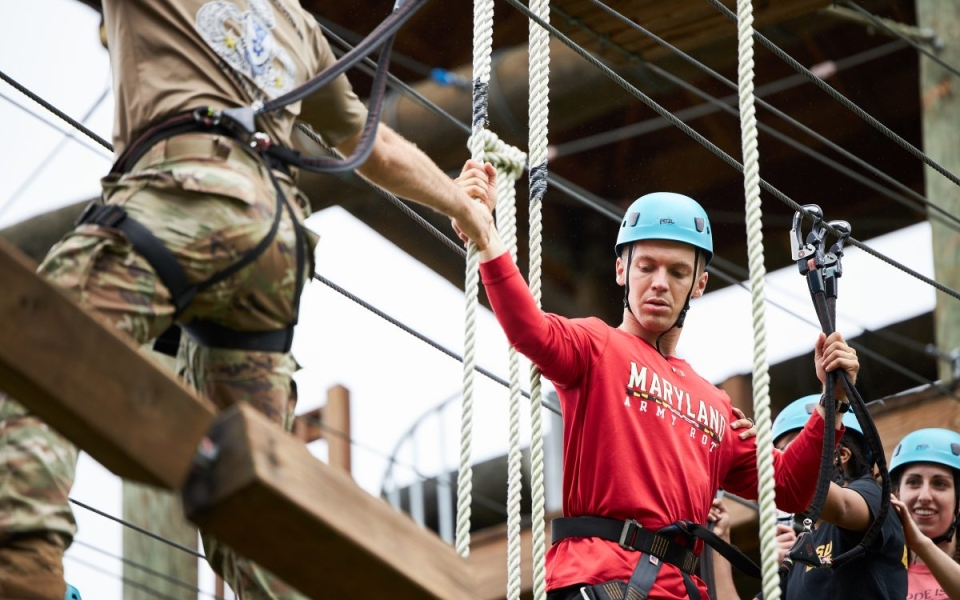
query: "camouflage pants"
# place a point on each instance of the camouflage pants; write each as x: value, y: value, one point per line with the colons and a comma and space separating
x: 210, y: 202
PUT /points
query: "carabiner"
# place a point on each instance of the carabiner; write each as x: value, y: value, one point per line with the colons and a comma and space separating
x: 832, y: 259
x: 802, y: 249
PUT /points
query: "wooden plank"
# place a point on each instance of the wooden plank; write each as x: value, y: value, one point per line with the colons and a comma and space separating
x: 89, y: 382
x: 266, y: 496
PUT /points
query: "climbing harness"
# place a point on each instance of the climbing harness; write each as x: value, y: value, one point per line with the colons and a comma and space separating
x: 168, y: 269
x: 822, y: 280
x: 239, y: 124
x: 672, y: 544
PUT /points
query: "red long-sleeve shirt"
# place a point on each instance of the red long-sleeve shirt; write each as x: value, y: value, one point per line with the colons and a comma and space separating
x: 645, y: 437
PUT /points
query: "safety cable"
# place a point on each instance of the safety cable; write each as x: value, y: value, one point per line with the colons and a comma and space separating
x: 369, y: 66
x: 897, y: 339
x: 777, y: 112
x: 11, y: 200
x: 353, y: 38
x: 479, y: 498
x: 81, y: 141
x: 630, y: 89
x: 139, y: 529
x: 624, y: 132
x: 847, y: 103
x: 634, y: 91
x: 141, y: 567
x: 382, y: 34
x: 73, y: 122
x: 126, y: 581
x: 597, y: 204
x: 939, y: 214
x: 92, y: 135
x: 893, y: 31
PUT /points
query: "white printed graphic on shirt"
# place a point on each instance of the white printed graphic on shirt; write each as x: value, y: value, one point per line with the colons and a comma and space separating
x: 245, y: 41
x: 667, y: 399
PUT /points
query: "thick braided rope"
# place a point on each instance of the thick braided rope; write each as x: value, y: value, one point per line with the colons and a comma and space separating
x: 482, y: 47
x: 761, y: 376
x: 539, y: 78
x: 509, y: 162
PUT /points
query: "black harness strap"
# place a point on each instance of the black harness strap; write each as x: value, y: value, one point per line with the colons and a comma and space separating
x: 655, y: 547
x: 148, y: 245
x: 167, y: 267
x: 630, y: 535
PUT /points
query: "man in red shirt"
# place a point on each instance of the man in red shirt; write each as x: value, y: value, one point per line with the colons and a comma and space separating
x: 647, y: 441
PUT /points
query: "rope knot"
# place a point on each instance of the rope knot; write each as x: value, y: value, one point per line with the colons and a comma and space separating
x: 509, y: 160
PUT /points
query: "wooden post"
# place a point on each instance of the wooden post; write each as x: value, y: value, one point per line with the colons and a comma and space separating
x: 160, y: 512
x: 336, y: 418
x: 940, y: 94
x: 332, y: 423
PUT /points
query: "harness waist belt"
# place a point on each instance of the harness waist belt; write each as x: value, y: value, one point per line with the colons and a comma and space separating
x: 214, y: 335
x: 629, y: 535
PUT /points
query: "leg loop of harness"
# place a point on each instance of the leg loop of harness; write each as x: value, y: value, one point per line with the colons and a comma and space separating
x: 168, y: 269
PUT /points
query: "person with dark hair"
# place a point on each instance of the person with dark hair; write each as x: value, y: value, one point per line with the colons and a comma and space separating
x: 852, y: 502
x: 925, y: 468
x: 646, y: 440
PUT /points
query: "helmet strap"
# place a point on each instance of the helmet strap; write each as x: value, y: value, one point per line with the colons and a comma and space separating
x: 626, y: 279
x: 947, y: 535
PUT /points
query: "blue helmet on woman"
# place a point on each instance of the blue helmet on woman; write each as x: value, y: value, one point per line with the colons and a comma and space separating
x: 797, y: 413
x: 936, y: 446
x: 666, y: 216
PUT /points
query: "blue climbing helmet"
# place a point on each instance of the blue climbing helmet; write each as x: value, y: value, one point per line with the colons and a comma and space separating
x: 937, y: 446
x: 797, y: 413
x: 666, y: 216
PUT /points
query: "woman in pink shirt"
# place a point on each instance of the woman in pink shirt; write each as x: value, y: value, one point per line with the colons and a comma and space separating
x: 926, y: 470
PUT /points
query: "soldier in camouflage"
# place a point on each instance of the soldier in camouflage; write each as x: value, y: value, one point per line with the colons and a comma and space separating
x: 210, y: 201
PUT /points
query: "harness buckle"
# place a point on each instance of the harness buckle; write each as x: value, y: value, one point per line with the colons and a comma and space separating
x: 628, y: 535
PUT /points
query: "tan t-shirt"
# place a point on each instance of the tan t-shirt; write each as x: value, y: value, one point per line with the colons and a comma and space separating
x: 170, y: 56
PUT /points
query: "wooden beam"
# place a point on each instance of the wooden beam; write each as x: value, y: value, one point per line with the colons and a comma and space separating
x: 88, y: 381
x: 267, y: 497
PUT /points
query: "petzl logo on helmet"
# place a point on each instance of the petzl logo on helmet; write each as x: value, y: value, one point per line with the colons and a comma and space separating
x: 666, y: 221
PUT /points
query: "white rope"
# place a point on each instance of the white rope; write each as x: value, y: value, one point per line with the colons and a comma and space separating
x: 761, y: 376
x: 509, y: 162
x: 482, y: 47
x: 539, y: 78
